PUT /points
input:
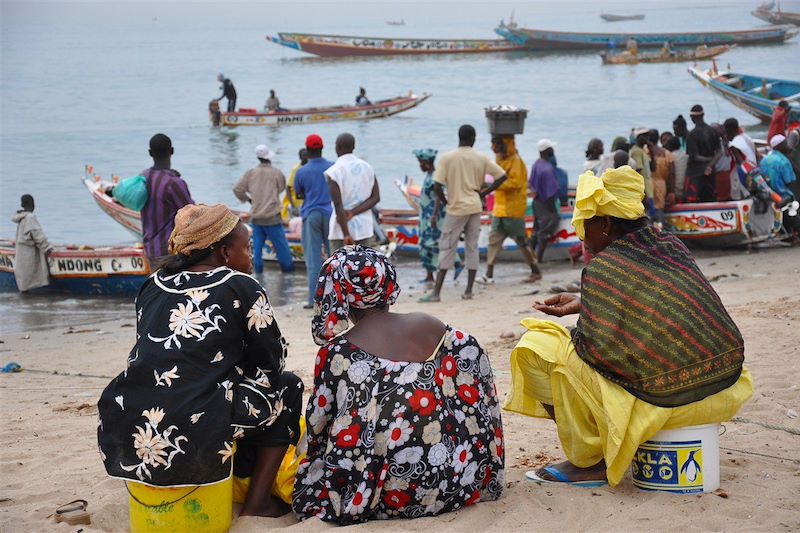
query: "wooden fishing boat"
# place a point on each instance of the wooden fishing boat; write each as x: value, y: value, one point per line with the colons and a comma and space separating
x: 758, y: 95
x: 106, y: 271
x: 535, y: 39
x: 776, y: 17
x: 348, y: 45
x: 723, y: 224
x: 608, y: 17
x: 132, y: 222
x: 672, y: 56
x: 312, y: 115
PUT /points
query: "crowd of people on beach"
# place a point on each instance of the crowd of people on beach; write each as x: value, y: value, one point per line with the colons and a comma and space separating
x: 404, y: 418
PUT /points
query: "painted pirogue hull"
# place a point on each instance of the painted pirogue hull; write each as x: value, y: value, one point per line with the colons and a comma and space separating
x: 534, y: 39
x: 383, y: 108
x: 348, y: 45
x: 679, y: 57
x: 722, y: 224
x: 745, y: 91
x: 131, y: 220
x: 112, y: 271
x: 620, y: 18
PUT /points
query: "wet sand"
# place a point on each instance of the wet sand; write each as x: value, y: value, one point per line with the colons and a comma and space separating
x: 49, y: 452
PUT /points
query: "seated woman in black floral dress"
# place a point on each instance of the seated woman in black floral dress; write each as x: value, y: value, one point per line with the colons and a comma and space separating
x: 206, y: 369
x: 403, y: 421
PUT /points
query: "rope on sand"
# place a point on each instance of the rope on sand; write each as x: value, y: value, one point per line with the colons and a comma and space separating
x: 748, y: 452
x: 70, y: 374
x: 777, y: 427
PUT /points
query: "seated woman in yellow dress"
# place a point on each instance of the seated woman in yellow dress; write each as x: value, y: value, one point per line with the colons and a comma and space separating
x: 653, y: 348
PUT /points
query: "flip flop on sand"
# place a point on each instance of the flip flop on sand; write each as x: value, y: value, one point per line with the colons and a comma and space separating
x: 73, y: 513
x: 561, y: 479
x: 429, y: 298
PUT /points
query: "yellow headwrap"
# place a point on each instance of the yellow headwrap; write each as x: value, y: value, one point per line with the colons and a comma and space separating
x: 199, y: 226
x: 617, y: 193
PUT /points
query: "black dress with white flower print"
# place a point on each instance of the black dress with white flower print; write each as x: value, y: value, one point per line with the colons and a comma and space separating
x: 206, y: 369
x: 393, y: 439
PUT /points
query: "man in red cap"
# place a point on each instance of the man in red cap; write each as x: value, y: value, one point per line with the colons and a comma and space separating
x: 311, y: 187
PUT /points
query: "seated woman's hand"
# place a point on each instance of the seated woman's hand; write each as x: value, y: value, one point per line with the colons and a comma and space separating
x: 560, y: 305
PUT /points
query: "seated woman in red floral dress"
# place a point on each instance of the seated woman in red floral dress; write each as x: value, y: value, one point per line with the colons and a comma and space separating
x: 403, y: 421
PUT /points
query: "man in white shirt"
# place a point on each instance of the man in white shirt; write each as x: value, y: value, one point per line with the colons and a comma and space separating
x: 354, y: 192
x: 738, y: 138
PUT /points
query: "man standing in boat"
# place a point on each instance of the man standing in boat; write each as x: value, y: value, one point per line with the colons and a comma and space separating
x: 704, y: 149
x: 228, y: 91
x: 311, y: 187
x: 262, y: 187
x: 167, y: 192
x: 361, y: 99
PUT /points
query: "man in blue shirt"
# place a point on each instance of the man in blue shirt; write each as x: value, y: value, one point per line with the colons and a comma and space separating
x: 778, y: 170
x: 311, y: 186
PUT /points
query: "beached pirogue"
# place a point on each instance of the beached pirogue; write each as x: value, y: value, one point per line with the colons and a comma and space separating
x: 758, y: 95
x: 313, y: 115
x: 722, y: 224
x: 349, y: 45
x: 108, y: 271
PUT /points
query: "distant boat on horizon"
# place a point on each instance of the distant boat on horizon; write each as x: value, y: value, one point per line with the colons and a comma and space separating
x: 400, y: 22
x: 608, y: 17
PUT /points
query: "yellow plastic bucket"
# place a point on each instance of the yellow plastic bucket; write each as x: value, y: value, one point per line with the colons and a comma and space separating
x: 206, y: 509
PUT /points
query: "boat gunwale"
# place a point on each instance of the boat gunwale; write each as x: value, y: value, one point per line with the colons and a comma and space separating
x: 425, y: 39
x: 786, y: 28
x: 417, y: 99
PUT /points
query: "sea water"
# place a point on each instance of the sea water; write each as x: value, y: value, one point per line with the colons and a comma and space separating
x: 92, y: 82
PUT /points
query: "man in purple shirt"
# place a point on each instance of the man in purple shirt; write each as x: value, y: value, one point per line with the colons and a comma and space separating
x: 543, y: 184
x: 166, y: 194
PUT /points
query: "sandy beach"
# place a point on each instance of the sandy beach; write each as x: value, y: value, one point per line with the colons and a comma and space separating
x: 49, y: 451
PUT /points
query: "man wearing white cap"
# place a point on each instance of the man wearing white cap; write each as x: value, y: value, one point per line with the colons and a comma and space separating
x: 262, y: 187
x: 704, y: 149
x: 543, y: 185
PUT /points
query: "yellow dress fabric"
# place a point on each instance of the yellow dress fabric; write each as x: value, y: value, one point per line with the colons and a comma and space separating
x: 511, y: 198
x: 598, y: 419
x: 290, y: 185
x: 283, y: 486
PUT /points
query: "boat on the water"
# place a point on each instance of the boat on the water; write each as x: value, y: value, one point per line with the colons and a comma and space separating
x: 608, y: 17
x: 758, y: 95
x: 400, y: 22
x: 348, y: 45
x: 105, y: 271
x: 664, y: 56
x: 536, y: 39
x: 312, y: 115
x: 767, y: 14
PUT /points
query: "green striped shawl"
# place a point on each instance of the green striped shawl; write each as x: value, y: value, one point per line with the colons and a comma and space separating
x: 651, y: 322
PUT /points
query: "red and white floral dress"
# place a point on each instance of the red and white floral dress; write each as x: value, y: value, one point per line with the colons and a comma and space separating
x: 391, y: 439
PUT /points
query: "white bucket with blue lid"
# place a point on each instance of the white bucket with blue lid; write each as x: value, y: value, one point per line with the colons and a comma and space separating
x: 681, y: 461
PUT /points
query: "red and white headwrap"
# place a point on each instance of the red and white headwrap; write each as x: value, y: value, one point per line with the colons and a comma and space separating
x: 356, y: 277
